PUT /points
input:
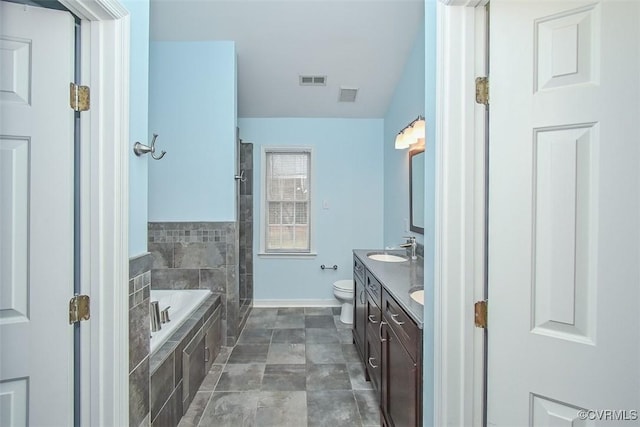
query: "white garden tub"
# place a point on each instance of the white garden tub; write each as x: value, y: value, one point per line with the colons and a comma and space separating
x: 181, y: 304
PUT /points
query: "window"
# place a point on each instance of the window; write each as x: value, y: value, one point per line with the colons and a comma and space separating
x: 287, y: 201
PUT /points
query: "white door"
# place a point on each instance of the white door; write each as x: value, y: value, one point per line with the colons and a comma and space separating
x: 564, y: 242
x: 36, y: 216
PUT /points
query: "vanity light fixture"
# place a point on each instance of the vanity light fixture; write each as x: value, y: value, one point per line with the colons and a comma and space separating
x: 413, y: 133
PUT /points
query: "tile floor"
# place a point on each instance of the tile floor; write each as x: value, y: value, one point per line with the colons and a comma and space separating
x: 291, y: 367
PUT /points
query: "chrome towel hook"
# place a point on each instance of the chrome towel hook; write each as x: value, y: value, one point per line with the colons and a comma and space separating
x: 141, y: 149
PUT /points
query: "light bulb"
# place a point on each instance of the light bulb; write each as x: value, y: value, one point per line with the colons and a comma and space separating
x: 402, y: 141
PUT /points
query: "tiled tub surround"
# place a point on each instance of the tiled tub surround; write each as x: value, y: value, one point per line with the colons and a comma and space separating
x: 180, y: 304
x: 139, y: 329
x: 199, y: 255
x: 193, y: 346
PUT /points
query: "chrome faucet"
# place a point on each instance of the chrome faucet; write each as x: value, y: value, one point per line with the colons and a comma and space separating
x: 164, y: 315
x: 154, y: 313
x: 411, y: 243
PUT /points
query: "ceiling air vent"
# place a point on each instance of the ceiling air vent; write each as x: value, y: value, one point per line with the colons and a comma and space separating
x: 313, y: 80
x: 347, y: 94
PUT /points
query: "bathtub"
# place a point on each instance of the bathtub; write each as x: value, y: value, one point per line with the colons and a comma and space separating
x: 181, y: 304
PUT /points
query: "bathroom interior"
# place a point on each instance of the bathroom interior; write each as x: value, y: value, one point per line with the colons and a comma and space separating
x: 196, y: 215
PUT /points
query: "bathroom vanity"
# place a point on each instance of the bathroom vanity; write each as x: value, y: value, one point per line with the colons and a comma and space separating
x: 387, y: 331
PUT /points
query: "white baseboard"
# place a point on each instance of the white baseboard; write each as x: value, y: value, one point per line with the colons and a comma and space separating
x: 269, y: 303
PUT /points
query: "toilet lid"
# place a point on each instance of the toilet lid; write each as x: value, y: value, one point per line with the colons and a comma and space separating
x: 344, y: 285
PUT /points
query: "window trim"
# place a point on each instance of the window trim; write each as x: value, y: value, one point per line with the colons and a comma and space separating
x: 263, y: 202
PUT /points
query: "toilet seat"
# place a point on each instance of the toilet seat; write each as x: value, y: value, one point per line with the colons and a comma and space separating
x: 343, y: 285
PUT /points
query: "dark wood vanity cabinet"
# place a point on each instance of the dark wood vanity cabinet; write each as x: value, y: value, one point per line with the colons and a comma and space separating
x: 359, y: 307
x: 401, y: 396
x: 390, y: 345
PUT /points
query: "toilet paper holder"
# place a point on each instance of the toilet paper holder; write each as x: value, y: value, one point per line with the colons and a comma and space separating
x: 324, y: 267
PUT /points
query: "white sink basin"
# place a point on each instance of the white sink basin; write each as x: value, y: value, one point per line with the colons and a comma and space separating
x: 418, y: 296
x: 386, y: 257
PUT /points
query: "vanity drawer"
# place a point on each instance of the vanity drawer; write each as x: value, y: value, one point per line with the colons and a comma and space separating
x: 374, y: 315
x: 358, y: 268
x: 404, y: 327
x: 374, y: 288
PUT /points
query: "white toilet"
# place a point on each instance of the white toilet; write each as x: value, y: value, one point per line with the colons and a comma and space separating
x: 343, y: 291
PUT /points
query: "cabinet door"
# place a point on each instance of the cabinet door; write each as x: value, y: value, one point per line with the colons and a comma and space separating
x: 373, y: 362
x: 193, y: 368
x: 359, y: 315
x: 400, y: 382
x: 212, y: 339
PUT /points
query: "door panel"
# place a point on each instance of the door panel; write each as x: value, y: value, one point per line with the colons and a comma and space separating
x: 564, y: 202
x: 564, y: 211
x: 399, y: 382
x: 36, y: 216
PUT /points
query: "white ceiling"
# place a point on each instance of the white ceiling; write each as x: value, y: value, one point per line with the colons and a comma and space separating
x: 356, y: 43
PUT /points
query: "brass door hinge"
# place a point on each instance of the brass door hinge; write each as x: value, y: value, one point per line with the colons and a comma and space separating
x: 480, y: 309
x: 79, y: 97
x: 482, y: 90
x: 79, y: 309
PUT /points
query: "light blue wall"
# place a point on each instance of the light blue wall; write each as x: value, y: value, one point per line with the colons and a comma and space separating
x: 138, y: 127
x: 193, y: 107
x: 414, y: 95
x: 406, y: 104
x: 430, y: 199
x: 347, y: 174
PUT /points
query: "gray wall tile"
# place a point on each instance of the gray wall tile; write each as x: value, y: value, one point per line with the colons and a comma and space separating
x: 174, y: 278
x: 139, y: 393
x: 140, y: 264
x: 162, y: 254
x: 161, y: 386
x: 171, y: 412
x: 214, y: 279
x: 139, y: 332
x: 200, y: 255
x: 204, y: 255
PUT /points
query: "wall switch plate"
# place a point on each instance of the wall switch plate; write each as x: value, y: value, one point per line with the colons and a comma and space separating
x: 325, y: 204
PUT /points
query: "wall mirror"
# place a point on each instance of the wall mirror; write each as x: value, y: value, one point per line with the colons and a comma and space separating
x: 416, y: 190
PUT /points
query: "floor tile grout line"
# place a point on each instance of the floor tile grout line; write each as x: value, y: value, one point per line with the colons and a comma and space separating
x: 357, y: 406
x: 214, y: 389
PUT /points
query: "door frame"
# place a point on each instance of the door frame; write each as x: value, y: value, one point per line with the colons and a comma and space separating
x: 104, y: 210
x: 458, y: 389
